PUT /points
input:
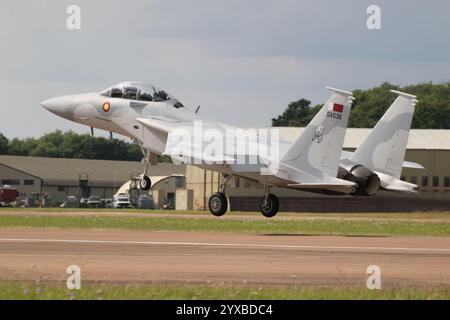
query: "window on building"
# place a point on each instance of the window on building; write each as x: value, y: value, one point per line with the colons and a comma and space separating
x: 61, y: 189
x: 179, y: 182
x: 414, y: 179
x: 28, y: 182
x: 435, y: 182
x: 237, y: 182
x: 425, y: 181
x: 447, y: 182
x: 403, y: 178
x: 11, y: 182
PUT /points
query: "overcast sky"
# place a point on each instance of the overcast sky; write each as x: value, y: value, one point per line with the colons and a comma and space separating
x: 242, y: 61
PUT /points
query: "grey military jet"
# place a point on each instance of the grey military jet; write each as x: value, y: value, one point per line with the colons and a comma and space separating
x: 161, y: 124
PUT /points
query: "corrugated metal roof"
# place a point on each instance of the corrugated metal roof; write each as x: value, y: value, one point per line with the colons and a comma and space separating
x: 422, y: 139
x: 100, y: 172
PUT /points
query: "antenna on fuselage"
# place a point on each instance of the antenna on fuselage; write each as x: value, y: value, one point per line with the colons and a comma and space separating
x: 196, y: 110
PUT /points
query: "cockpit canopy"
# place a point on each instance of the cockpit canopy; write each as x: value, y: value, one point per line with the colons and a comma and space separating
x: 141, y: 91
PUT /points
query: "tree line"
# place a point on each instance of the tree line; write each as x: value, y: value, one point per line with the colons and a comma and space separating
x: 69, y: 144
x: 432, y: 111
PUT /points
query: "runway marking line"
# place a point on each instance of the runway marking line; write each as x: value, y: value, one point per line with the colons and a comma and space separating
x: 211, y: 244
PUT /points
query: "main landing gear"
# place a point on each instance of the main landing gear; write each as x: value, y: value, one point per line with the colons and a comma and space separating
x: 269, y: 204
x: 218, y: 203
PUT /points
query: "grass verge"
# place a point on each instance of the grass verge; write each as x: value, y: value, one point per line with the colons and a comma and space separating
x: 365, y: 227
x: 52, y: 291
x: 429, y: 215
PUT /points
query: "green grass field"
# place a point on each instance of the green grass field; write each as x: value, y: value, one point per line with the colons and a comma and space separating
x: 317, y: 226
x: 365, y: 224
x: 52, y: 291
x: 444, y: 215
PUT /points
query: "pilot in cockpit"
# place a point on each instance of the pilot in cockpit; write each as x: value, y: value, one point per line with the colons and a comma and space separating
x: 139, y: 91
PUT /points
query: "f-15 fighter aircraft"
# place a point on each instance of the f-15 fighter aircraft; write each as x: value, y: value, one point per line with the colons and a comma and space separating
x: 160, y: 124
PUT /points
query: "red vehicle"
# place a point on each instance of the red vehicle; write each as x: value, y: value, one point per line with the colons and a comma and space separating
x: 8, y: 195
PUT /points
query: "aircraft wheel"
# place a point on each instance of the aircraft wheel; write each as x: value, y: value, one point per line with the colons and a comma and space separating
x: 218, y: 204
x: 270, y: 207
x: 145, y: 183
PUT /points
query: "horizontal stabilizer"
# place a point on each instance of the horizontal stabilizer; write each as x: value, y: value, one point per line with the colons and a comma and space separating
x: 412, y: 165
x: 341, y: 186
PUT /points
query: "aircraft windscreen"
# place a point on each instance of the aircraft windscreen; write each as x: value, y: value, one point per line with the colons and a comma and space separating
x: 141, y: 91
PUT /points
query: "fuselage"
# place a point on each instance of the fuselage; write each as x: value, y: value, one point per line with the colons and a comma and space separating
x: 119, y: 115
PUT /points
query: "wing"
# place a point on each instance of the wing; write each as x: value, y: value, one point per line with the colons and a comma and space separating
x: 184, y: 141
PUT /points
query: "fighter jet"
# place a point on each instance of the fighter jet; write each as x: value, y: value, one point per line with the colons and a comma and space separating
x: 161, y: 124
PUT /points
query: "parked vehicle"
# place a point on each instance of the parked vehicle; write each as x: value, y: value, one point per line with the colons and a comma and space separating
x: 94, y: 202
x: 121, y: 201
x: 71, y: 202
x: 169, y: 206
x: 84, y: 202
x: 145, y: 202
x: 8, y: 195
x: 107, y: 203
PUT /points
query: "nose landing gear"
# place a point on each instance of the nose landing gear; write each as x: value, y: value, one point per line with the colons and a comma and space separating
x: 144, y: 181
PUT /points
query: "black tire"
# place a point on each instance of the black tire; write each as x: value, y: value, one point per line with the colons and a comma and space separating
x: 145, y: 183
x: 218, y: 204
x: 270, y: 208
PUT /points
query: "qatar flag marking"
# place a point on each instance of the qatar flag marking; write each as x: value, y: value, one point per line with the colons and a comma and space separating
x: 338, y: 107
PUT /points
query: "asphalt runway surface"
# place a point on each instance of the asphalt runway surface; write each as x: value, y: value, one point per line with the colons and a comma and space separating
x: 193, y: 258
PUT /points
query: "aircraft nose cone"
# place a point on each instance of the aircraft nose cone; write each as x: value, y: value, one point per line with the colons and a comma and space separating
x: 50, y: 104
x: 59, y: 106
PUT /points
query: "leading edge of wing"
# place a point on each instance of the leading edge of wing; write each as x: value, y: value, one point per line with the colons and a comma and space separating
x: 160, y: 123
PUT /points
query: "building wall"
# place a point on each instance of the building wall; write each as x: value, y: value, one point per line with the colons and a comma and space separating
x: 203, y: 183
x: 58, y: 194
x: 436, y: 163
x: 437, y: 168
x: 27, y: 184
x: 165, y: 191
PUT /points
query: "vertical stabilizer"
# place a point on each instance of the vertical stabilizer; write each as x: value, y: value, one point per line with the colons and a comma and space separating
x: 384, y: 149
x: 318, y: 149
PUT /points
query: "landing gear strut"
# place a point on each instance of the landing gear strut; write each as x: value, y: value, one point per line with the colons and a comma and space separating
x: 269, y: 204
x: 218, y: 203
x: 145, y: 183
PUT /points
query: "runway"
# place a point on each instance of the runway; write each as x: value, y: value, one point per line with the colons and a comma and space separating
x: 210, y: 258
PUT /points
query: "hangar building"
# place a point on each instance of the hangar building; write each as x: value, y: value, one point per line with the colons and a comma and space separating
x: 62, y: 177
x: 59, y: 178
